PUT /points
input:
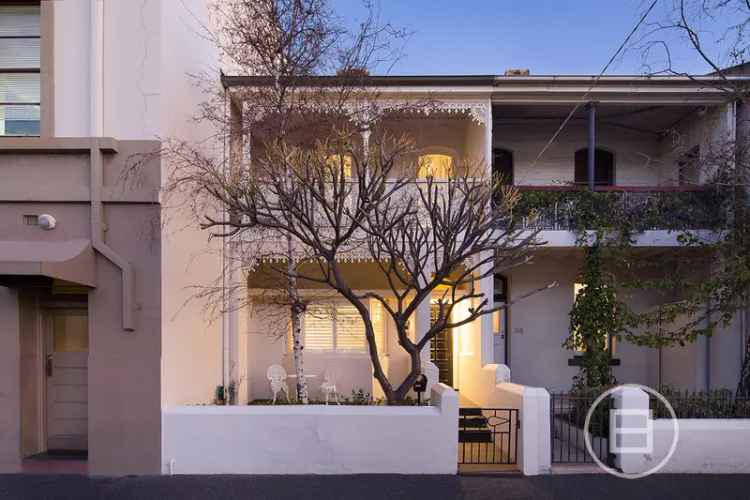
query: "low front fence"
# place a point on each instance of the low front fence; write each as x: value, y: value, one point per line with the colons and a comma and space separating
x: 488, y: 436
x: 313, y: 439
x: 567, y: 419
x: 718, y: 404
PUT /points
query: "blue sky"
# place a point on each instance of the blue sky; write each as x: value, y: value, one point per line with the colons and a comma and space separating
x: 488, y: 36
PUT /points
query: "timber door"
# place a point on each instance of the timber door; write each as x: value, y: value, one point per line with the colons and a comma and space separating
x: 441, y: 350
x: 67, y: 379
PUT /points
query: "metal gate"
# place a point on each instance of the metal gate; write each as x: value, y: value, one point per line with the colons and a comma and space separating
x: 568, y: 416
x: 488, y: 436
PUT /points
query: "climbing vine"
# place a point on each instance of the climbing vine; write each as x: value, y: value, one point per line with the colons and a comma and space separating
x: 606, y: 224
x: 596, y: 319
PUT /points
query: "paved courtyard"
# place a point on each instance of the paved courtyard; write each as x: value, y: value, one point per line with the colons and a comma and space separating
x: 511, y: 487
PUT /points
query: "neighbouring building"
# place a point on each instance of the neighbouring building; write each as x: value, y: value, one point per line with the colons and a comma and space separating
x: 88, y: 88
x: 99, y: 333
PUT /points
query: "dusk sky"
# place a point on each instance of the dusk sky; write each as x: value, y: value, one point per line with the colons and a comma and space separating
x: 546, y: 36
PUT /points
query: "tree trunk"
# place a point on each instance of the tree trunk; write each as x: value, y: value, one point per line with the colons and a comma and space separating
x: 743, y: 387
x: 295, y: 310
x: 297, y: 348
x: 416, y: 369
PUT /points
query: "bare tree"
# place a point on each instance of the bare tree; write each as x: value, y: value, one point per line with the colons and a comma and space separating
x: 440, y: 236
x: 715, y: 32
x: 288, y: 42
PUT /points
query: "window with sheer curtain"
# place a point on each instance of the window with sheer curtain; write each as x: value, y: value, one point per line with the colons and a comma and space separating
x: 438, y: 166
x: 19, y: 70
x: 343, y: 163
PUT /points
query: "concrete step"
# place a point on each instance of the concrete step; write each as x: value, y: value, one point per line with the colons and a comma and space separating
x: 475, y: 436
x: 472, y: 422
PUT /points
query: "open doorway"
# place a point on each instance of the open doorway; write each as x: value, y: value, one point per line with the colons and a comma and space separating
x: 441, y: 350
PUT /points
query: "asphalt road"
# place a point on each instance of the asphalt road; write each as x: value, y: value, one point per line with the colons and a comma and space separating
x: 563, y: 487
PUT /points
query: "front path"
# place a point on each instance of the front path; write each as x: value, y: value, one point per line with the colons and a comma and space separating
x: 497, y: 487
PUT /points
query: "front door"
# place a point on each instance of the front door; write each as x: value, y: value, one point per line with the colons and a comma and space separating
x: 441, y: 350
x: 67, y: 379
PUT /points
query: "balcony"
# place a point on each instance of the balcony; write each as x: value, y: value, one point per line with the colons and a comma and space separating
x: 572, y: 208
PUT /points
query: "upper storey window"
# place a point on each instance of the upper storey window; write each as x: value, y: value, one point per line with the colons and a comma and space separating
x: 341, y: 163
x: 439, y: 166
x: 604, y: 173
x: 19, y: 70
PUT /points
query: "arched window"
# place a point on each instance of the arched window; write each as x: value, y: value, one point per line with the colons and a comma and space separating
x: 437, y: 165
x: 502, y: 165
x: 604, y: 175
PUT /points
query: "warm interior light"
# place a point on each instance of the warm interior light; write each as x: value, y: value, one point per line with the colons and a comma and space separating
x: 343, y: 162
x: 435, y: 165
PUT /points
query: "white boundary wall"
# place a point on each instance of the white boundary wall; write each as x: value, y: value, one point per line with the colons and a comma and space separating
x: 491, y: 389
x: 703, y: 445
x: 314, y: 439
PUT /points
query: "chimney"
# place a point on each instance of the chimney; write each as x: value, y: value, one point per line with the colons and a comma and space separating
x: 353, y: 72
x: 517, y: 72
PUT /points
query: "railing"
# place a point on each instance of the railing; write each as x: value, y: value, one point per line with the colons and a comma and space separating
x: 488, y: 436
x: 571, y: 208
x: 711, y: 404
x: 567, y: 419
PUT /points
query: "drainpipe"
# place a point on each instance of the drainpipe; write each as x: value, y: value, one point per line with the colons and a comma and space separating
x: 591, y: 164
x: 231, y: 271
x: 708, y: 350
x: 96, y: 131
x: 97, y: 238
x: 95, y: 68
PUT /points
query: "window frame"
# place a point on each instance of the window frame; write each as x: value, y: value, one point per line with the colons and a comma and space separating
x: 333, y: 305
x: 609, y: 341
x: 436, y: 150
x: 612, y: 178
x: 497, y: 151
x: 27, y: 70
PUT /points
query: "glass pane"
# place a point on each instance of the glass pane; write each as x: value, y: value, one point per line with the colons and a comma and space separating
x: 435, y: 165
x: 19, y: 53
x: 19, y: 21
x: 350, y: 329
x: 19, y: 87
x: 71, y: 332
x: 19, y: 120
x: 338, y: 161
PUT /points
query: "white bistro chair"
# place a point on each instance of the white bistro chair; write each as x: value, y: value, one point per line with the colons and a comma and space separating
x: 276, y: 375
x: 328, y: 386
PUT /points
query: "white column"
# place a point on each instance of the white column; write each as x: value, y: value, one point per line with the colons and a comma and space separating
x: 631, y: 413
x: 95, y: 68
x: 487, y: 289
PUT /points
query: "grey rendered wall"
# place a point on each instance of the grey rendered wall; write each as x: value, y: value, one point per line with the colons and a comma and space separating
x: 124, y: 367
x: 10, y: 388
x: 539, y: 326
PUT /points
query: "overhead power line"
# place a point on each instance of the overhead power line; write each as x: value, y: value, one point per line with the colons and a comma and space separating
x: 596, y: 81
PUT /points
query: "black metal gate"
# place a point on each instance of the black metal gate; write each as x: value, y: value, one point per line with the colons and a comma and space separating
x: 488, y: 436
x: 568, y: 416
